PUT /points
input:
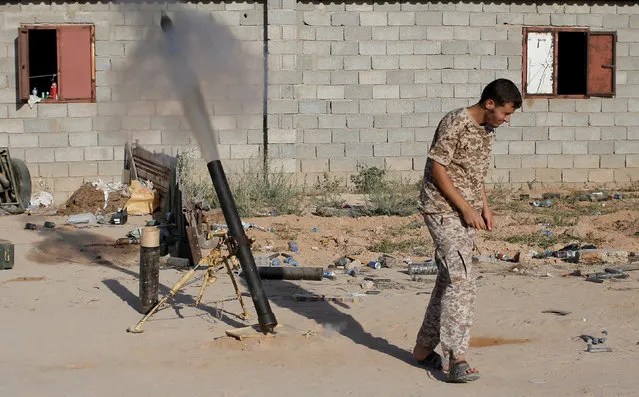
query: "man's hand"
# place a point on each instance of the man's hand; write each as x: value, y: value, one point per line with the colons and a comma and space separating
x: 487, y: 214
x: 472, y: 218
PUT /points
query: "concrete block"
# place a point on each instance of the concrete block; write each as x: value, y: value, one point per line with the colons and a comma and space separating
x: 497, y: 176
x: 613, y: 133
x: 413, y: 91
x: 440, y: 91
x: 574, y: 175
x: 547, y: 147
x: 561, y: 133
x: 575, y: 119
x: 616, y: 21
x: 507, y: 161
x: 614, y: 105
x: 355, y: 33
x: 561, y: 161
x: 39, y: 155
x: 616, y: 161
x: 401, y: 18
x: 23, y: 140
x: 41, y: 125
x: 414, y: 148
x: 386, y: 150
x: 373, y: 135
x: 428, y: 76
x: 500, y: 147
x: 399, y: 47
x: 626, y: 175
x: 626, y: 119
x: 305, y: 151
x: 317, y: 136
x: 535, y: 105
x: 440, y: 62
x: 359, y: 121
x: 330, y: 150
x: 574, y: 147
x: 344, y: 19
x: 626, y: 147
x: 600, y: 176
x: 398, y: 163
x: 545, y: 119
x: 51, y: 110
x: 429, y: 18
x: 374, y: 107
x: 535, y: 134
x: 400, y: 106
x: 412, y: 61
x: 601, y: 147
x: 313, y: 107
x: 508, y: 48
x: 329, y: 33
x: 436, y: 33
x: 482, y: 48
x: 415, y: 33
x: 82, y: 109
x: 330, y: 92
x: 467, y: 91
x: 586, y: 161
x: 314, y: 165
x: 563, y: 19
x: 70, y: 184
x: 344, y: 48
x: 372, y: 77
x: 456, y: 18
x: 343, y: 164
x: 425, y: 134
x: 385, y: 91
x: 483, y: 19
x: 400, y: 135
x: 424, y: 47
x: 58, y: 139
x: 536, y: 19
x: 245, y: 151
x: 387, y: 121
x: 357, y: 62
x: 454, y: 47
x: 401, y: 77
x: 414, y: 121
x: 489, y: 62
x: 595, y: 21
x: 534, y: 161
x: 373, y: 19
x: 590, y: 105
x: 465, y: 33
x: 523, y: 175
x: 588, y: 133
x: 332, y: 121
x: 343, y: 107
x: 548, y: 175
x: 345, y: 135
x: 510, y: 19
x: 359, y: 150
x: 494, y: 34
x: 601, y: 119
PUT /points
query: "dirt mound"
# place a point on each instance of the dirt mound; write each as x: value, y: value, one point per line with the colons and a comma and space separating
x: 90, y: 199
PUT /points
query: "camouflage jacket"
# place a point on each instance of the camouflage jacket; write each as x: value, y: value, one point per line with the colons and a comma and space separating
x: 464, y: 148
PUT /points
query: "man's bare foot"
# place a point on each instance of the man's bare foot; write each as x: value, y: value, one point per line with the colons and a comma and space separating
x: 459, y: 360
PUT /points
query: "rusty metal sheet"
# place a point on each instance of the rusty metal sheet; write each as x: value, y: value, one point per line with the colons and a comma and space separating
x: 601, y: 63
x: 74, y: 62
x: 23, y: 62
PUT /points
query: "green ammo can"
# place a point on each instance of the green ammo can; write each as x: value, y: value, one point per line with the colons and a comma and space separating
x: 6, y: 254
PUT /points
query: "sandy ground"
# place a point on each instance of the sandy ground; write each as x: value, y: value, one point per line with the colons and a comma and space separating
x: 67, y: 303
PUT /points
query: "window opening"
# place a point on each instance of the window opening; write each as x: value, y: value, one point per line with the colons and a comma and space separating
x: 43, y: 60
x: 572, y: 58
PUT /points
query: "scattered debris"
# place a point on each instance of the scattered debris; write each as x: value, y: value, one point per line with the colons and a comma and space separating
x: 558, y: 312
x: 367, y: 285
x: 90, y: 199
x: 423, y: 268
x: 84, y: 218
x: 538, y: 203
x: 549, y: 195
x: 41, y: 200
x: 120, y: 217
x: 49, y: 225
x: 320, y: 298
x: 30, y: 226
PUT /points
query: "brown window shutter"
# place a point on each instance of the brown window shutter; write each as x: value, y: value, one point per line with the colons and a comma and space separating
x: 23, y: 62
x: 75, y: 63
x: 601, y: 64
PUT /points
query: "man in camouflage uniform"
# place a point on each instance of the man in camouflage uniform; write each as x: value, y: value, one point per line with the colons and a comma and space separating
x: 454, y: 206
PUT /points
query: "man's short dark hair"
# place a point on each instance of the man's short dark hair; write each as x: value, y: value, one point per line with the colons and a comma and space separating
x: 502, y: 91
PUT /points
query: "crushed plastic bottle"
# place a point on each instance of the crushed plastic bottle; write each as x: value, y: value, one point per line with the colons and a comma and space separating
x: 423, y: 268
x: 292, y: 245
x: 329, y: 275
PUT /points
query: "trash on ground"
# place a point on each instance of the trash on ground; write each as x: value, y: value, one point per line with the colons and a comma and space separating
x: 41, y: 199
x: 49, y: 225
x: 320, y: 298
x: 423, y: 268
x: 367, y: 285
x: 80, y: 219
x: 30, y: 226
x: 549, y: 195
x: 545, y: 203
x: 558, y: 312
x: 144, y: 199
x: 120, y: 217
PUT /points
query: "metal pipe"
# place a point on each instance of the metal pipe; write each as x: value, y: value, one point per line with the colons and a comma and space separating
x: 265, y: 315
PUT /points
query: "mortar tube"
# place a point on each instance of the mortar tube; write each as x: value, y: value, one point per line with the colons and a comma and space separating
x: 265, y: 315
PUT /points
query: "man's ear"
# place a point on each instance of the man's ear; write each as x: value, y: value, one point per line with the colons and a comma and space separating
x: 489, y: 104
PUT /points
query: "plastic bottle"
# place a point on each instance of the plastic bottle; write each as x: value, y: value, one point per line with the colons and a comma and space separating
x: 292, y: 245
x: 424, y: 268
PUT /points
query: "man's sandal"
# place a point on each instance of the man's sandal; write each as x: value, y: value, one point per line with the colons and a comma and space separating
x: 432, y: 361
x: 458, y: 373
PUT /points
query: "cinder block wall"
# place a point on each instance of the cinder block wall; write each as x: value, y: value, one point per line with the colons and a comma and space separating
x: 348, y: 84
x: 372, y: 80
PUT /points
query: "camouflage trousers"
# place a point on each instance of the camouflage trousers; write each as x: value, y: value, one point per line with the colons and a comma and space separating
x: 450, y: 311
